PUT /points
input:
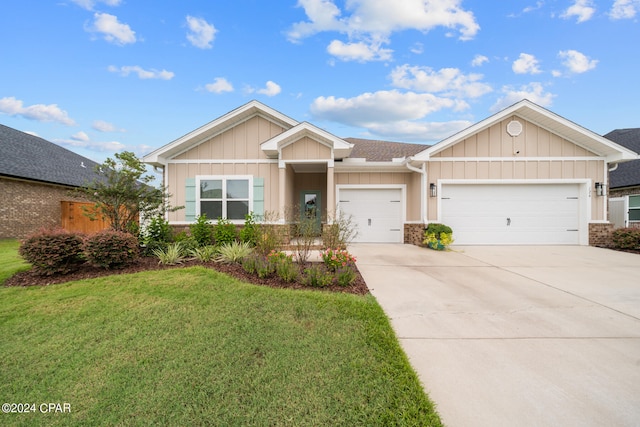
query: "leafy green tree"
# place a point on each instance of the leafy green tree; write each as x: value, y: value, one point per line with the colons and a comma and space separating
x: 122, y: 193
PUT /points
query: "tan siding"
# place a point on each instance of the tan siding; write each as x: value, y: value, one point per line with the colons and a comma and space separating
x: 306, y: 149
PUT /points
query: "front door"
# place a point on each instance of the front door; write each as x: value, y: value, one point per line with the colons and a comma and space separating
x: 311, y: 208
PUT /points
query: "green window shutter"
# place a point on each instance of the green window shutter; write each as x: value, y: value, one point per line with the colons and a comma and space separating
x: 258, y: 196
x: 190, y: 200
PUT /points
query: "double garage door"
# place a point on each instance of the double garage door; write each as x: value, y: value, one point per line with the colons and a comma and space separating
x: 512, y: 213
x: 375, y: 212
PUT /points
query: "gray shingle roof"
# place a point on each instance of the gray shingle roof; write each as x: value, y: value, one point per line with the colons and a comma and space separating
x: 30, y: 157
x: 628, y: 173
x: 382, y: 151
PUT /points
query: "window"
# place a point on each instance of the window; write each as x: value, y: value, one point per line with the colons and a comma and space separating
x: 224, y: 196
x: 634, y: 208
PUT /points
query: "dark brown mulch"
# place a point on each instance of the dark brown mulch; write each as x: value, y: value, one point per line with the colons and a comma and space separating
x: 86, y: 271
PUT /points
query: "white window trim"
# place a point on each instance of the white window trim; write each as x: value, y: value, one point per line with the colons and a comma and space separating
x: 224, y: 179
x: 629, y: 208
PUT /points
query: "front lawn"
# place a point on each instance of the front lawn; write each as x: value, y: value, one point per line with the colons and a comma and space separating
x: 194, y: 347
x: 10, y: 261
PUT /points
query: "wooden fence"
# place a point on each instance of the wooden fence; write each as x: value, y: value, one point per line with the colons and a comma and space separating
x: 74, y: 219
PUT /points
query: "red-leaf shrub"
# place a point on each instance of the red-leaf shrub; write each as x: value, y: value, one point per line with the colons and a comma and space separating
x: 52, y: 251
x: 626, y: 238
x: 111, y: 249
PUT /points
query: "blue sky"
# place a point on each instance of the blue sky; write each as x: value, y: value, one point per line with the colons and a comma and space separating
x: 100, y: 76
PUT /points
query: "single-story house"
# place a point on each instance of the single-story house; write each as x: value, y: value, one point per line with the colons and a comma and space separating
x: 35, y: 178
x: 624, y: 182
x: 522, y: 176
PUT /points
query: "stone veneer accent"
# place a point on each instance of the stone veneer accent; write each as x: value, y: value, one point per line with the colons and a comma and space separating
x: 27, y: 206
x: 414, y: 234
x: 600, y: 234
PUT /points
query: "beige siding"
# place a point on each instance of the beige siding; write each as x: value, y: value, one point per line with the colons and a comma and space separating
x: 239, y: 142
x: 306, y: 149
x: 178, y: 174
x: 534, y: 141
x: 411, y: 180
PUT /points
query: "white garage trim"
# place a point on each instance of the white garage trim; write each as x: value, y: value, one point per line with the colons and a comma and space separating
x: 583, y: 207
x: 341, y: 189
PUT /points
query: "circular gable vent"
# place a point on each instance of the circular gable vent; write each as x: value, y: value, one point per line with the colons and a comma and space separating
x: 514, y: 128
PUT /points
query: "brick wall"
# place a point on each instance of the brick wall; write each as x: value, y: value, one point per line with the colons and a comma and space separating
x: 414, y: 234
x: 600, y: 234
x: 620, y: 192
x: 25, y: 207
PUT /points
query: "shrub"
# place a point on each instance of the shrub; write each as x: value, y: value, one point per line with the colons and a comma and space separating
x: 224, y: 232
x: 52, y: 251
x: 249, y: 233
x: 340, y: 232
x: 204, y: 253
x: 284, y: 266
x: 337, y: 258
x: 172, y: 255
x: 345, y: 276
x: 438, y: 236
x: 249, y: 263
x: 202, y: 231
x: 157, y: 234
x: 187, y: 243
x: 233, y: 252
x: 626, y: 238
x: 317, y: 276
x: 258, y: 264
x: 267, y: 238
x: 111, y: 249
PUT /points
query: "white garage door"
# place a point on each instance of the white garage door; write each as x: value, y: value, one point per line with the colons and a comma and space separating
x: 376, y: 212
x: 512, y: 214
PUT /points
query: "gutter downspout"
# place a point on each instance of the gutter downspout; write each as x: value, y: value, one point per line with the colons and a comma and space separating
x: 423, y: 186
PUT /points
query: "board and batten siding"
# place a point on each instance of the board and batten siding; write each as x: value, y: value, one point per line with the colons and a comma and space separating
x: 500, y: 157
x: 306, y: 149
x: 411, y: 180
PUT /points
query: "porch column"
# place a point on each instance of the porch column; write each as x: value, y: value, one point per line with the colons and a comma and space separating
x: 331, y: 193
x: 282, y: 177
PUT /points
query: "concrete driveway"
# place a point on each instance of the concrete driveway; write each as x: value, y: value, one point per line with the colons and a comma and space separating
x: 514, y: 335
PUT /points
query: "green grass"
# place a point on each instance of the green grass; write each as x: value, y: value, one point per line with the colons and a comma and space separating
x: 10, y: 261
x: 194, y: 347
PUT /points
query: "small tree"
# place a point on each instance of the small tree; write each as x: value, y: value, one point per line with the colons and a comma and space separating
x: 122, y: 194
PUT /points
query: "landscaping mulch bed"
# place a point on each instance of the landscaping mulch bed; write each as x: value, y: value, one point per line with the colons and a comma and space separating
x: 86, y: 271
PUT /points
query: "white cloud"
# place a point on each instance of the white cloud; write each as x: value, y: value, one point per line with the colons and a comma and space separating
x: 219, y: 85
x: 582, y: 9
x: 89, y: 4
x: 201, y: 34
x: 380, y: 107
x: 359, y: 51
x: 534, y: 92
x: 418, y: 48
x: 102, y: 126
x: 418, y: 131
x: 448, y: 81
x: 537, y: 6
x: 38, y: 112
x: 577, y: 62
x: 624, y: 9
x: 526, y: 64
x: 141, y: 72
x: 100, y: 146
x: 80, y: 136
x: 112, y: 30
x: 373, y: 21
x: 479, y: 60
x: 271, y: 89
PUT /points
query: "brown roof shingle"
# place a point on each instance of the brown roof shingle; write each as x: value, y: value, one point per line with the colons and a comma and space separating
x: 382, y: 151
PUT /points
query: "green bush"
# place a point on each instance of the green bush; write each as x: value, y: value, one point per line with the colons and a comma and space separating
x: 317, y: 276
x: 337, y: 258
x: 157, y: 234
x: 187, y: 243
x: 284, y: 266
x: 249, y: 233
x: 52, y: 251
x: 626, y: 238
x: 204, y: 253
x: 173, y: 254
x: 233, y: 252
x: 202, y: 231
x: 111, y: 249
x: 437, y: 229
x: 224, y: 232
x: 438, y: 236
x: 345, y: 276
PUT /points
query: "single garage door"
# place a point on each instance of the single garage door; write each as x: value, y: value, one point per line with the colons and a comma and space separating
x: 512, y: 213
x: 376, y: 212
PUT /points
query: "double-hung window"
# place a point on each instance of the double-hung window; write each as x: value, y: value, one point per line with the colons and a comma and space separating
x: 228, y: 197
x: 634, y: 208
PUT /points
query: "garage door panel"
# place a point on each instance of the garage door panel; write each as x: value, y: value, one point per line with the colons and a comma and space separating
x: 512, y: 214
x: 377, y: 213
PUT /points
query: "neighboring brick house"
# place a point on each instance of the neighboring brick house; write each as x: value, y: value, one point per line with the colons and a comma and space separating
x: 35, y: 177
x: 624, y: 182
